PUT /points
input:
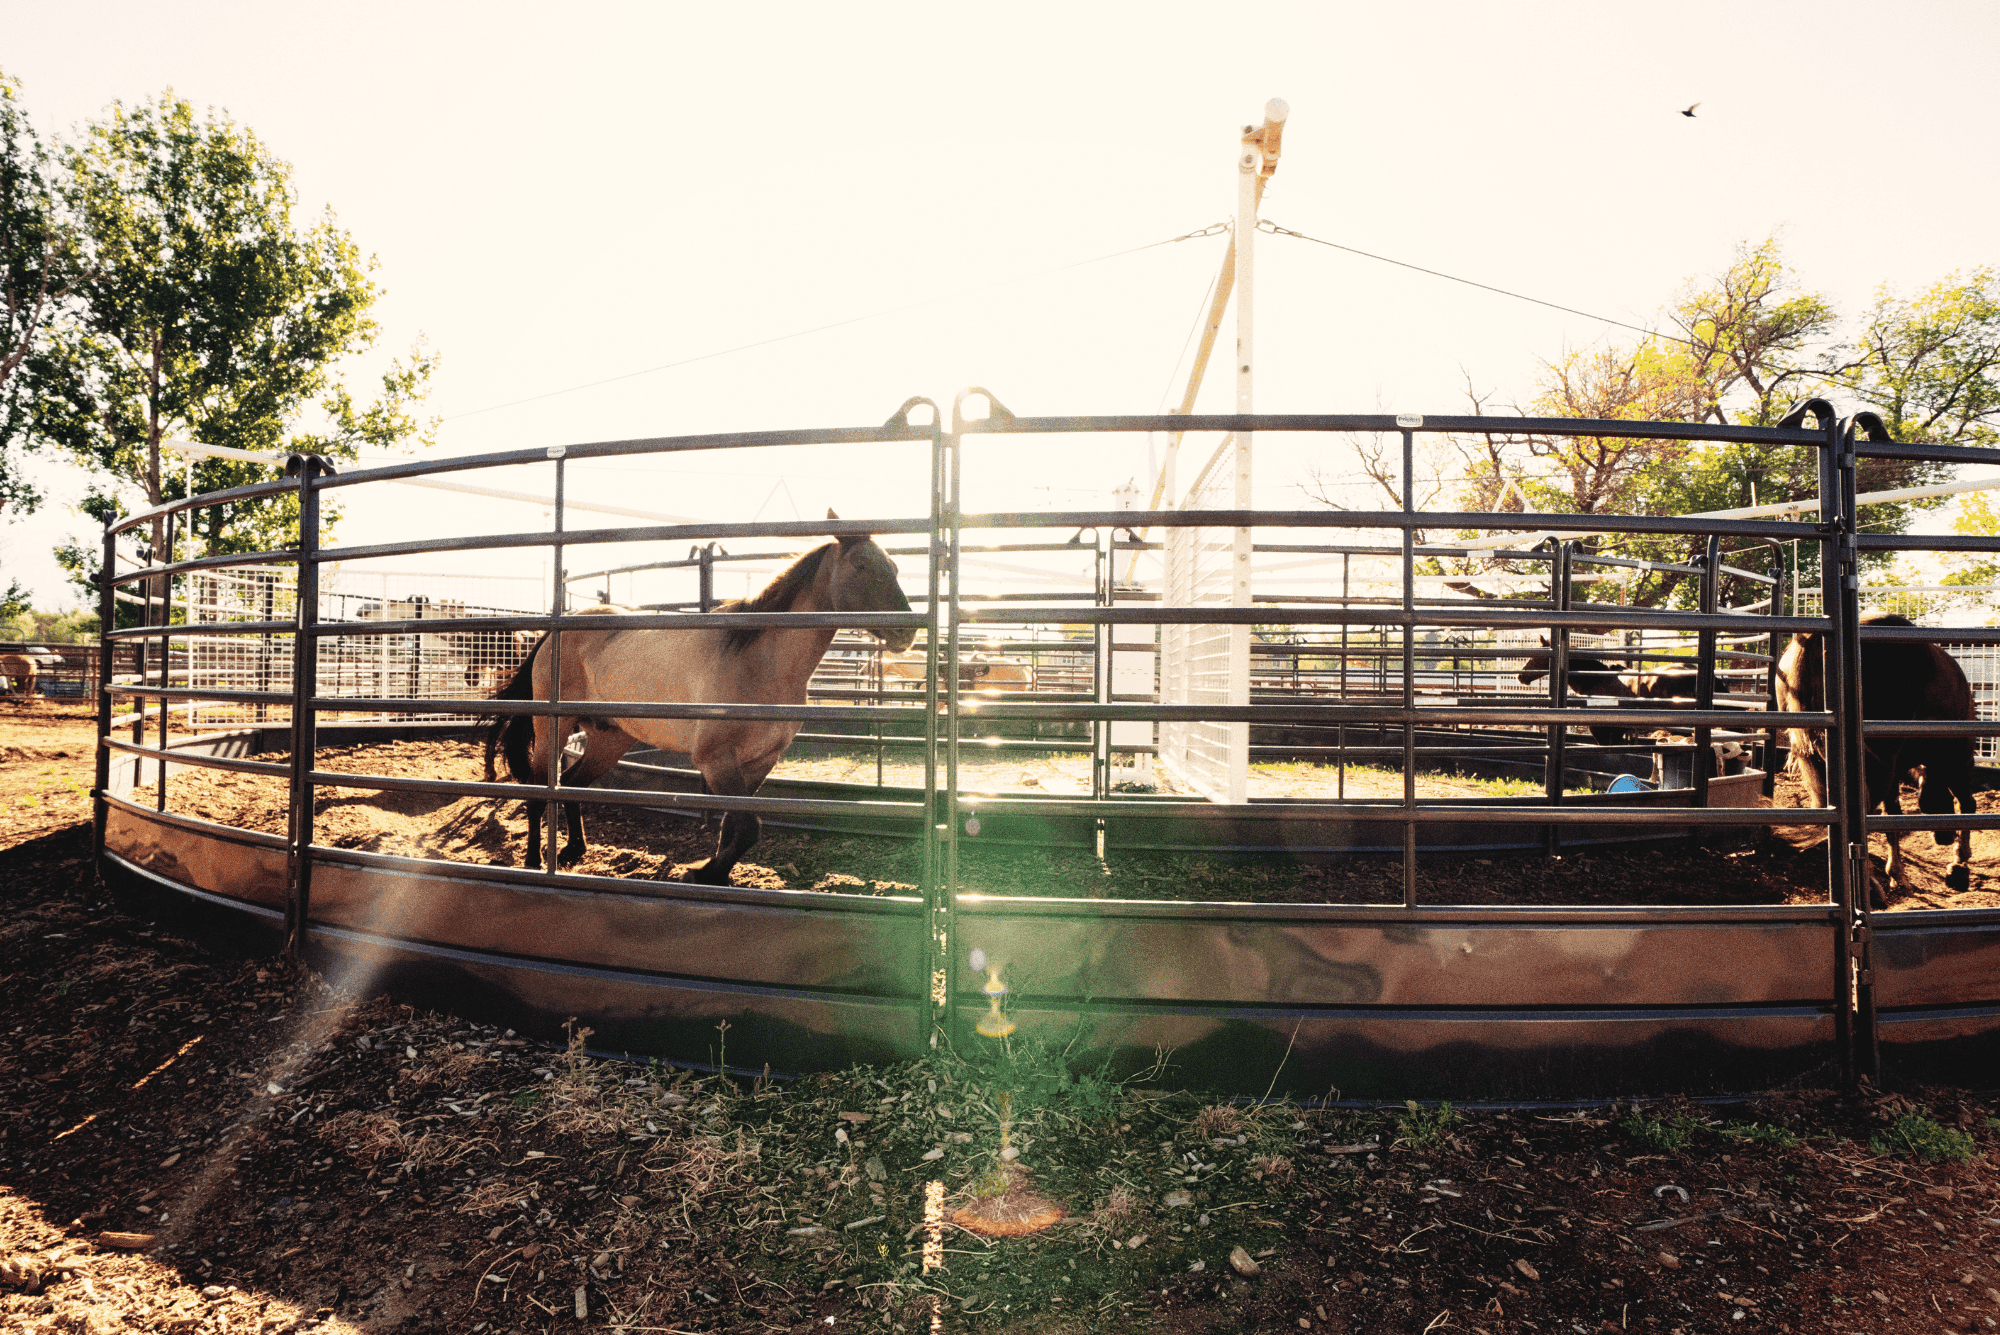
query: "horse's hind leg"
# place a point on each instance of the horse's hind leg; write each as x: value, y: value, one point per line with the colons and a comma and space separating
x: 1943, y: 783
x: 603, y: 744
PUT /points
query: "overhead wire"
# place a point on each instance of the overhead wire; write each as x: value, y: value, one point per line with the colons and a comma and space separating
x: 1213, y: 229
x: 1265, y: 225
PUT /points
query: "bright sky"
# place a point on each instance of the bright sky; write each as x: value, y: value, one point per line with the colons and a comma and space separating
x: 565, y: 197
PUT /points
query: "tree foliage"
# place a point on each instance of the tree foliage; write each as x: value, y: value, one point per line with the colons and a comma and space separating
x: 203, y: 310
x: 1740, y: 348
x: 36, y: 267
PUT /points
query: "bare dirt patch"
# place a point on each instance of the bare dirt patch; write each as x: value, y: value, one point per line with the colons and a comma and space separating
x: 195, y: 1144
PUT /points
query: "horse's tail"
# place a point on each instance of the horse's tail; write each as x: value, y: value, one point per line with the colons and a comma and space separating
x: 515, y: 730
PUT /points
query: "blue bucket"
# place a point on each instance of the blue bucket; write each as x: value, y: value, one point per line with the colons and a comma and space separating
x: 1629, y: 783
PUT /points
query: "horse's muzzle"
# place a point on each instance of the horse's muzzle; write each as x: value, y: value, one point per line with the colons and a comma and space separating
x: 897, y: 640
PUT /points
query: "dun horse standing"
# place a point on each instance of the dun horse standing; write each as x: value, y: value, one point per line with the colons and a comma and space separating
x: 699, y: 665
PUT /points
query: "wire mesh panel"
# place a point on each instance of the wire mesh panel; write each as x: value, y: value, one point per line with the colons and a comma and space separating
x: 424, y: 664
x: 1205, y: 664
x: 408, y: 665
x: 257, y: 660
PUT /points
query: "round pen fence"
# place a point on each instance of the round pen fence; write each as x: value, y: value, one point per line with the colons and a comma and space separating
x: 1148, y: 700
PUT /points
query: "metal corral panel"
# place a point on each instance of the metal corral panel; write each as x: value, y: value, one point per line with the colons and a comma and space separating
x: 781, y: 938
x: 235, y: 864
x: 1430, y: 1003
x: 806, y: 981
x: 1937, y: 986
x: 644, y: 1014
x: 1394, y: 1054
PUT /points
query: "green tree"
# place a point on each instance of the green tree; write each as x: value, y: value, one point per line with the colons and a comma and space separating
x: 1930, y: 366
x: 35, y: 272
x: 1740, y: 348
x: 202, y: 310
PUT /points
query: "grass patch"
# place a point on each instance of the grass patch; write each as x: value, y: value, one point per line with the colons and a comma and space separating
x: 1757, y: 1133
x: 1422, y: 1127
x: 1663, y: 1135
x: 1154, y: 1184
x: 1915, y: 1136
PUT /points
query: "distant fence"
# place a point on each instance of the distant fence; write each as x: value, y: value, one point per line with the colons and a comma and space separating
x: 74, y: 678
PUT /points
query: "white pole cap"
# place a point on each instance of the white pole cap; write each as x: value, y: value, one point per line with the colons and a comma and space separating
x: 1276, y: 110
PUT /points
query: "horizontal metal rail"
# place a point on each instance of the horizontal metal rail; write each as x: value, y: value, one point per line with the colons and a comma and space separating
x: 991, y: 711
x: 1425, y: 813
x: 177, y: 629
x: 1918, y: 821
x: 572, y: 883
x: 205, y: 693
x: 1395, y: 424
x: 631, y: 621
x: 581, y: 537
x: 514, y: 792
x: 200, y: 759
x: 1396, y: 519
x: 1254, y: 616
x: 1929, y: 728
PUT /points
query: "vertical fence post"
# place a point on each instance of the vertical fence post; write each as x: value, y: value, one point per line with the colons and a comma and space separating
x: 1775, y: 649
x: 1409, y: 669
x: 1846, y: 845
x: 1558, y: 759
x: 307, y: 468
x: 1853, y: 801
x: 939, y: 982
x: 166, y: 665
x: 558, y: 744
x: 948, y: 666
x: 107, y: 608
x: 1704, y: 668
x: 1102, y: 633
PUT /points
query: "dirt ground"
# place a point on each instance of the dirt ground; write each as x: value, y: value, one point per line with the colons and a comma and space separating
x: 202, y: 1145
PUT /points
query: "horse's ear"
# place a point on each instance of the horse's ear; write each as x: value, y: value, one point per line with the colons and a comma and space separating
x: 1545, y: 641
x: 850, y: 539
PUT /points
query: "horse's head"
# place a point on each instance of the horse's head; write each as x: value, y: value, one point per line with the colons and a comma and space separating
x: 862, y: 578
x: 1536, y: 667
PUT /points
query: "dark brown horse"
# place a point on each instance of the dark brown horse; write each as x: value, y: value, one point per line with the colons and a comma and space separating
x: 1898, y: 681
x: 1587, y: 676
x: 699, y: 665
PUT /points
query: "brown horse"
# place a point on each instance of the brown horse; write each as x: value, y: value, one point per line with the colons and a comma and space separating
x: 19, y: 670
x: 1587, y: 676
x: 1898, y: 681
x: 699, y: 665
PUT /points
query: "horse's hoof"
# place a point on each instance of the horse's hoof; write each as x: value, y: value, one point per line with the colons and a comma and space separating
x: 1959, y: 879
x: 569, y: 857
x: 704, y: 874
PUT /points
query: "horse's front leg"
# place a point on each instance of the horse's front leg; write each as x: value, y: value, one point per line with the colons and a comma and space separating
x: 740, y: 829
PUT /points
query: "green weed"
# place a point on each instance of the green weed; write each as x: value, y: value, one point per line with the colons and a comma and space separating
x: 1758, y: 1134
x: 1918, y: 1136
x: 1420, y: 1126
x: 1662, y: 1135
x: 1038, y: 1075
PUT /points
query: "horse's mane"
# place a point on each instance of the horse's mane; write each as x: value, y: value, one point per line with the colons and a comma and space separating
x: 776, y: 596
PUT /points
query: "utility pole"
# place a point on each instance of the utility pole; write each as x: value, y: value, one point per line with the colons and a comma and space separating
x: 1254, y: 165
x: 1262, y: 141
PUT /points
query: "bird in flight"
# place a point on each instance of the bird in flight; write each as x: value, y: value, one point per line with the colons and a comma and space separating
x: 1689, y: 113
